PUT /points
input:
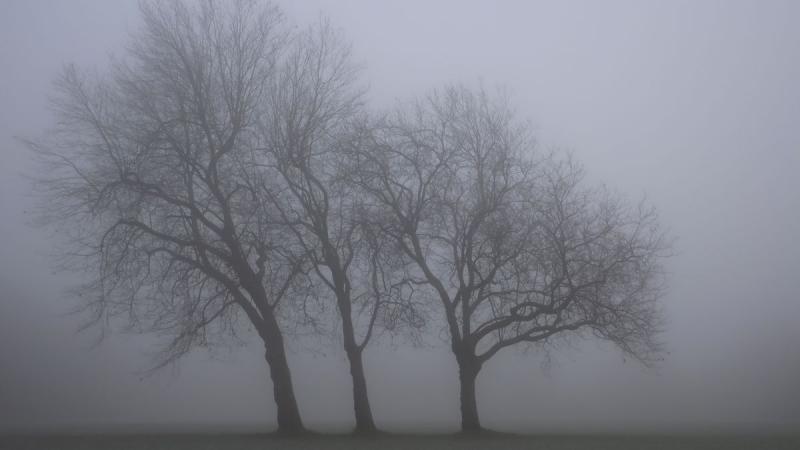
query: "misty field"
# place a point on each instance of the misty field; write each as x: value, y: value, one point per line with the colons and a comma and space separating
x: 253, y: 442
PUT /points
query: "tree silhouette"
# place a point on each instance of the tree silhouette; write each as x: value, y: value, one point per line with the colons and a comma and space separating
x: 511, y: 246
x: 152, y: 171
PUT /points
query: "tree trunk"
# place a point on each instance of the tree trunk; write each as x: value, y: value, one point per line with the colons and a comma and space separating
x: 364, y: 421
x: 468, y: 373
x: 365, y: 424
x: 289, y: 420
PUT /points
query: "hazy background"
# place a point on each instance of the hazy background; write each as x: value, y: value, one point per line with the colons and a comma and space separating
x: 695, y: 104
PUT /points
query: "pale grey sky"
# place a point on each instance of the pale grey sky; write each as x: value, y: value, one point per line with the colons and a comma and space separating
x: 693, y: 103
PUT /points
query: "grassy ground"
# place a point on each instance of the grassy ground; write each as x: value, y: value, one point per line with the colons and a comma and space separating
x: 392, y: 442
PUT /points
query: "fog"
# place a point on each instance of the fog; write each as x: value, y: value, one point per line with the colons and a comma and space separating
x: 694, y: 105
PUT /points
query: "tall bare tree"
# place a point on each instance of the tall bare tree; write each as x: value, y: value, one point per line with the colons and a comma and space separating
x: 156, y: 169
x: 513, y: 248
x: 312, y: 108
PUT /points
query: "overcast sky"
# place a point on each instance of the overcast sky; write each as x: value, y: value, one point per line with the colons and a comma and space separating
x: 694, y: 104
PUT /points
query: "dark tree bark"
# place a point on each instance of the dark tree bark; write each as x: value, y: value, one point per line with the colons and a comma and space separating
x: 468, y: 369
x: 289, y: 420
x: 365, y: 424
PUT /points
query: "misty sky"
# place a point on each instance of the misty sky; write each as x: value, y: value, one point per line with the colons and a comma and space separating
x: 693, y: 104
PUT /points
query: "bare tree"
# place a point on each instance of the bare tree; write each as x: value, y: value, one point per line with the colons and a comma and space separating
x: 156, y: 169
x: 312, y: 107
x: 512, y: 247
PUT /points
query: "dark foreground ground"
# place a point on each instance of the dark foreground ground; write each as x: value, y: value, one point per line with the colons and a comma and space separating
x: 392, y: 442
